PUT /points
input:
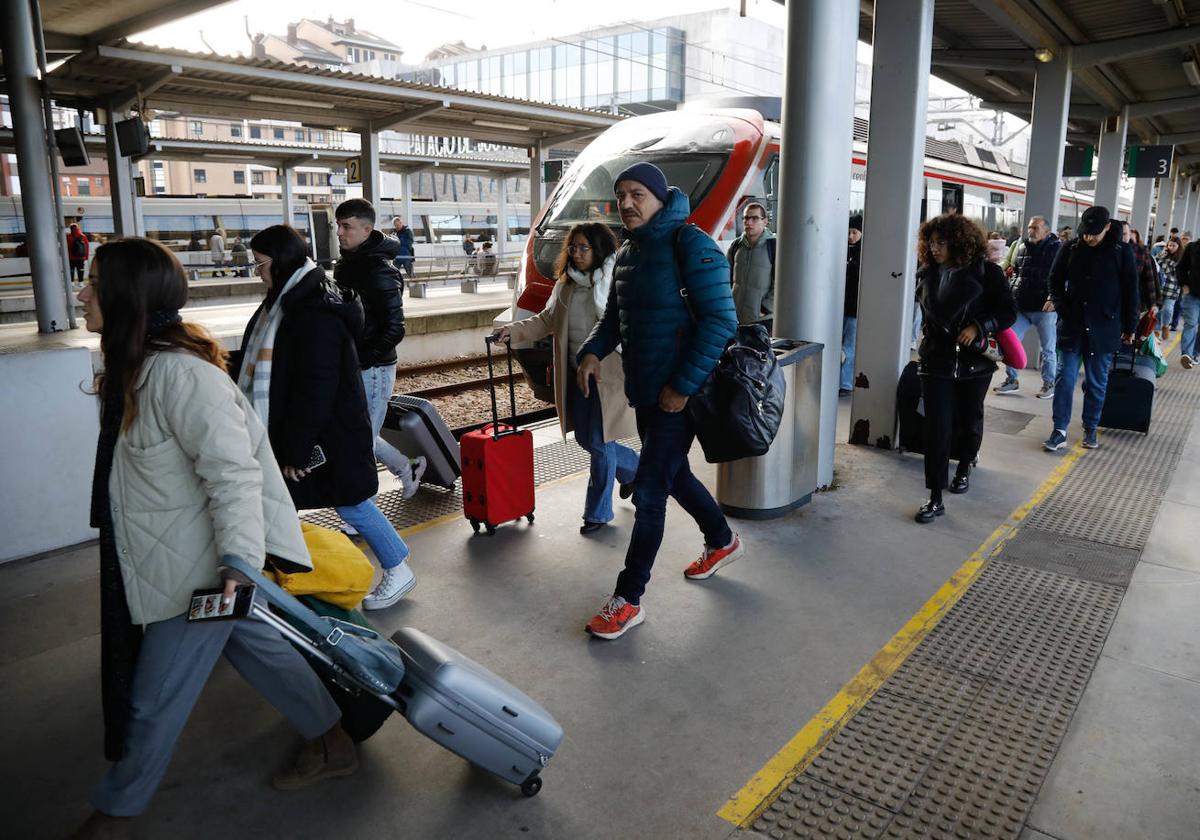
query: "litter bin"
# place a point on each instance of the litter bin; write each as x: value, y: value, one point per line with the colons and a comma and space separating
x: 785, y: 477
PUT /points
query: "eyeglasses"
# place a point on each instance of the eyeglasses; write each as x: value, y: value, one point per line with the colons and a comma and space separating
x: 582, y: 249
x: 262, y: 263
x: 752, y: 218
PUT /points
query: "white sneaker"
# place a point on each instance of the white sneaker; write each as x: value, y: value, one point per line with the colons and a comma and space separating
x: 393, y: 585
x: 410, y: 479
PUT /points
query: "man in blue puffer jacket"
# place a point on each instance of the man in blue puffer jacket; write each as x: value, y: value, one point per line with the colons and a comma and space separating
x: 668, y: 353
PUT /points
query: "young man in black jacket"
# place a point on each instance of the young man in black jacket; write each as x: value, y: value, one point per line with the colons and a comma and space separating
x: 366, y: 268
x: 1094, y: 290
x: 1031, y: 269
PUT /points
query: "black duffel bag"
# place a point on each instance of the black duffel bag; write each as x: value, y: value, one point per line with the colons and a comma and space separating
x: 738, y: 409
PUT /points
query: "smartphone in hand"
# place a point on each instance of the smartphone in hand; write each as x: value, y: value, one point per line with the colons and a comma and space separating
x: 209, y: 604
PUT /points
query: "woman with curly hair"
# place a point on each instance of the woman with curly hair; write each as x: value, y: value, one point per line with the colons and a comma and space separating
x: 964, y: 299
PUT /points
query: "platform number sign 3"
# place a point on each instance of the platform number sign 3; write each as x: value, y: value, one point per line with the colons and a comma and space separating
x: 354, y: 171
x: 1149, y: 161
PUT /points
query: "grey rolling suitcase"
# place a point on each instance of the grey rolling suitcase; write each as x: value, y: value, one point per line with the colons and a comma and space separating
x: 473, y: 713
x: 414, y: 426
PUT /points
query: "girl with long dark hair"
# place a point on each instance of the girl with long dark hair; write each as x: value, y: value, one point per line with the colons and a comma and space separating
x: 584, y: 271
x: 184, y: 479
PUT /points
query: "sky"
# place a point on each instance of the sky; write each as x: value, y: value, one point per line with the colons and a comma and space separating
x: 419, y: 26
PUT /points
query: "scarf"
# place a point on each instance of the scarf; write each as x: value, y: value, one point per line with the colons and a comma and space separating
x: 599, y: 281
x: 255, y: 378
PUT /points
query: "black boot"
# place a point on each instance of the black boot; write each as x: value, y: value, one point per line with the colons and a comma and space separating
x: 962, y: 479
x: 931, y: 509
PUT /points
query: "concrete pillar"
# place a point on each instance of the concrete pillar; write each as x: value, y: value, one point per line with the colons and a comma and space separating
x: 1048, y: 136
x: 814, y: 186
x: 1111, y: 161
x: 120, y: 180
x: 501, y: 214
x: 1165, y: 206
x: 287, y: 194
x: 1143, y: 196
x: 370, y: 164
x: 895, y: 183
x: 537, y: 187
x: 1179, y: 208
x: 1193, y: 207
x: 42, y: 225
x: 408, y: 199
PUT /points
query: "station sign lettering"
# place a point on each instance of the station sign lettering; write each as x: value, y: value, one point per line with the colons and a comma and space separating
x: 1149, y: 161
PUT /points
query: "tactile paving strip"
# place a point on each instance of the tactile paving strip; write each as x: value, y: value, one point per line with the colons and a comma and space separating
x: 957, y: 742
x: 550, y: 463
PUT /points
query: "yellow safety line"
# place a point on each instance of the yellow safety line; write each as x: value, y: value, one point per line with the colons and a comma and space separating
x: 744, y: 807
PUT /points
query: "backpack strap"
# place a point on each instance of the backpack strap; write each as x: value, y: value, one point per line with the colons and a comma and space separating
x: 771, y: 251
x: 680, y: 277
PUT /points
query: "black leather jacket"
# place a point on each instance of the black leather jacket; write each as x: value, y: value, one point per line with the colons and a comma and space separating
x: 976, y: 294
x: 369, y: 273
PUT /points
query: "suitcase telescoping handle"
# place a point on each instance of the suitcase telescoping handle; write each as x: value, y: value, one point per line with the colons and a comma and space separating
x: 512, y: 392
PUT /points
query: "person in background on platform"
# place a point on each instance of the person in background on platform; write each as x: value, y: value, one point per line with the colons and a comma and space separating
x: 194, y: 244
x: 1029, y: 280
x: 300, y: 369
x: 77, y: 253
x: 1168, y: 262
x: 854, y: 236
x: 997, y: 247
x: 602, y: 417
x: 1094, y: 289
x: 404, y: 235
x: 752, y: 268
x: 669, y: 346
x: 184, y: 480
x: 216, y: 248
x: 239, y: 257
x: 1065, y: 234
x: 1187, y: 272
x: 1160, y: 242
x: 486, y: 262
x: 1149, y: 289
x: 367, y: 270
x: 966, y: 300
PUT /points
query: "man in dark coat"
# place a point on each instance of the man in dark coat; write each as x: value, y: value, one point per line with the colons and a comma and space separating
x: 850, y: 305
x: 1031, y: 270
x: 670, y: 344
x: 1094, y: 290
x: 366, y: 269
x: 1187, y: 274
x: 404, y: 236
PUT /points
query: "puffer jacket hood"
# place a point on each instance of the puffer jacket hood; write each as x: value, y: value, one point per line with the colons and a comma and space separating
x: 376, y: 247
x: 661, y: 343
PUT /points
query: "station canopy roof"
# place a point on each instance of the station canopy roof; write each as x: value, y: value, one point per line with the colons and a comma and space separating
x: 73, y: 25
x: 128, y: 74
x: 1124, y: 53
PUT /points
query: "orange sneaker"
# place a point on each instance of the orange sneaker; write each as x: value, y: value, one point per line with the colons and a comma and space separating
x: 712, y: 559
x: 615, y: 618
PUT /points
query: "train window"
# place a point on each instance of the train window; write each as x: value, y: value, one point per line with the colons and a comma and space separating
x: 590, y: 197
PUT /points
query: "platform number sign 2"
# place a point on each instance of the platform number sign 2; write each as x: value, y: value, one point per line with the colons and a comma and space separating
x: 1149, y: 161
x: 354, y: 171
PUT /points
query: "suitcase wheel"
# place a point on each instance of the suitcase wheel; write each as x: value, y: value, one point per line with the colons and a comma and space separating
x: 475, y: 525
x: 531, y: 786
x: 529, y: 516
x: 491, y: 529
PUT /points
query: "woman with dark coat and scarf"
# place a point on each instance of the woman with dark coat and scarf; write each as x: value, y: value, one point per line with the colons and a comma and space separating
x: 965, y: 299
x: 300, y: 370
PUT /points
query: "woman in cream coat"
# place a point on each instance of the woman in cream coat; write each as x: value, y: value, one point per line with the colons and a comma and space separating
x: 184, y: 478
x: 584, y: 270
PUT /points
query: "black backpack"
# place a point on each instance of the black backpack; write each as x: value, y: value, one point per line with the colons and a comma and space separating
x: 78, y: 249
x: 738, y: 409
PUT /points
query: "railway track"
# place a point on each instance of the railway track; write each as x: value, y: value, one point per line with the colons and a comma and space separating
x: 452, y: 388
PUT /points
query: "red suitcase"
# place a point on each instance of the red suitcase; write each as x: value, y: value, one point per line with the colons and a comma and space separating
x: 497, y: 466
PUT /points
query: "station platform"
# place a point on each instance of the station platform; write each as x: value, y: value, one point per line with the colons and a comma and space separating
x: 1024, y: 667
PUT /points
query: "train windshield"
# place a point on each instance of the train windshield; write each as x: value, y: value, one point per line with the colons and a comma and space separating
x: 691, y: 150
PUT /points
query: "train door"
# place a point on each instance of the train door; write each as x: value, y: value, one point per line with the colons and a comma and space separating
x: 324, y: 235
x: 952, y: 197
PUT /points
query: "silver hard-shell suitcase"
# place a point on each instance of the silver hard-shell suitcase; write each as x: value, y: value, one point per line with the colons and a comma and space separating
x: 474, y: 713
x: 414, y: 426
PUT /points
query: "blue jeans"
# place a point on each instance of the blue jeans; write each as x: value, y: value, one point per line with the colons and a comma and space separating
x: 379, y: 382
x: 849, y: 337
x: 1189, y: 305
x: 663, y: 471
x: 373, y: 526
x: 1095, y: 377
x: 1167, y: 314
x: 609, y: 460
x: 1046, y: 324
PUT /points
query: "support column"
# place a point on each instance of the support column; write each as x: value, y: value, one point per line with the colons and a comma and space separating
x: 501, y: 214
x: 370, y: 163
x: 1179, y: 208
x: 896, y: 151
x: 285, y: 183
x: 1111, y: 161
x: 814, y: 185
x: 1047, y: 137
x: 408, y: 199
x: 1193, y: 207
x: 1143, y: 197
x: 1166, y: 205
x: 120, y: 180
x: 537, y: 187
x: 42, y: 226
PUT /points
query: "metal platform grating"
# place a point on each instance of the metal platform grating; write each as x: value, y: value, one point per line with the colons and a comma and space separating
x: 550, y: 462
x: 957, y: 742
